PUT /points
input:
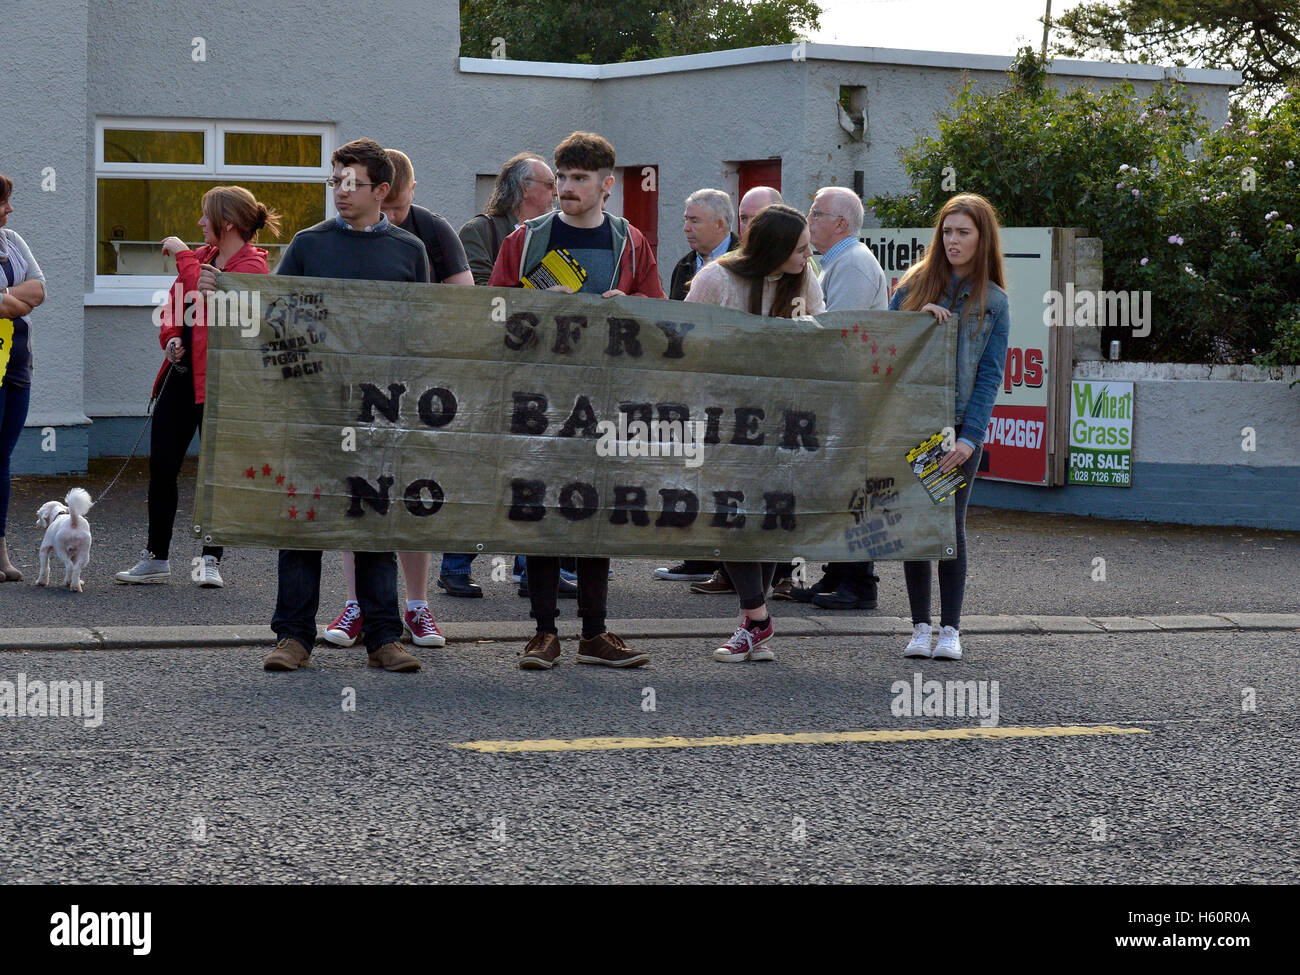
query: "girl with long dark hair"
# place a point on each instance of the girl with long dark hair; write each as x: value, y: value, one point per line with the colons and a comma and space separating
x: 769, y: 275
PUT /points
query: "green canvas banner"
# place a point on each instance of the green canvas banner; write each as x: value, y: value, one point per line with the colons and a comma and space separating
x: 377, y: 416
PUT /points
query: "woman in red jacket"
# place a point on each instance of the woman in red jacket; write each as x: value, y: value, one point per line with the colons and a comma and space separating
x: 230, y: 222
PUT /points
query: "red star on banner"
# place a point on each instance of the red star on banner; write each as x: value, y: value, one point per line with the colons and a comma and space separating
x: 865, y: 337
x: 250, y: 473
x: 874, y: 348
x: 293, y: 512
x: 279, y: 479
x: 311, y: 514
x: 292, y: 491
x: 266, y: 470
x: 875, y: 367
x: 316, y: 494
x: 893, y: 350
x: 888, y: 370
x: 855, y: 330
x: 844, y: 333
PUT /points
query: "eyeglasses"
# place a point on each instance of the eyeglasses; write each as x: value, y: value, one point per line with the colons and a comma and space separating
x: 548, y: 183
x: 334, y: 181
x: 817, y: 214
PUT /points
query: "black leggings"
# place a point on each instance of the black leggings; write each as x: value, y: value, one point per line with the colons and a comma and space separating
x: 952, y: 572
x: 175, y: 418
x: 752, y: 581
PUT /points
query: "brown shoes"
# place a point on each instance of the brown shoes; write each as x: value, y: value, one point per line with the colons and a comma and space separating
x: 540, y: 653
x: 393, y: 656
x: 609, y: 650
x: 781, y: 590
x: 288, y: 654
x: 718, y: 583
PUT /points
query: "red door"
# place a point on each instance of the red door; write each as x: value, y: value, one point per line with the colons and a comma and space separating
x: 641, y: 201
x: 760, y: 172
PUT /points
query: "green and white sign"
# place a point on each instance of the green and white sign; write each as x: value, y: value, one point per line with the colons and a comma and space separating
x: 1101, y: 433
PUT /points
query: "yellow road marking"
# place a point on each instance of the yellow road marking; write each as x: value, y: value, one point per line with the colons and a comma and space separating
x: 798, y: 738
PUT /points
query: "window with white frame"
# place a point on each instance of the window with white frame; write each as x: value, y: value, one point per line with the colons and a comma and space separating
x: 151, y: 174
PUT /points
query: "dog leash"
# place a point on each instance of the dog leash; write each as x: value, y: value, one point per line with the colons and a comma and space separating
x: 147, y: 420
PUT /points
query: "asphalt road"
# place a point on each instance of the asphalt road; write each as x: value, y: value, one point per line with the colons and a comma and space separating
x: 1020, y: 564
x: 207, y: 769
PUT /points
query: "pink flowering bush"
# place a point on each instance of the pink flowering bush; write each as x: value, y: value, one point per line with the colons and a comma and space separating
x: 1202, y: 219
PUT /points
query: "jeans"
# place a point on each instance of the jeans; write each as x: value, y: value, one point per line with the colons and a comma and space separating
x: 298, y: 597
x: 14, y: 401
x: 952, y: 572
x: 544, y: 590
x: 175, y: 418
x: 455, y: 564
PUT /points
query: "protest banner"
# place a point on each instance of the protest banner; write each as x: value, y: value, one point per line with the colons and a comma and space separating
x: 379, y: 416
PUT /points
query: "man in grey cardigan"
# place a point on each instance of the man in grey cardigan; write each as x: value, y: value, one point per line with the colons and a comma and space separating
x: 852, y: 280
x: 525, y: 188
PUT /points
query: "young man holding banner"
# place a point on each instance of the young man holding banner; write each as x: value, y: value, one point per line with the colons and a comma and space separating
x: 359, y: 243
x: 617, y: 260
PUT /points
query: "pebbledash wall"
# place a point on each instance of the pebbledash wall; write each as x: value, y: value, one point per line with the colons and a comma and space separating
x: 1212, y: 445
x: 694, y: 118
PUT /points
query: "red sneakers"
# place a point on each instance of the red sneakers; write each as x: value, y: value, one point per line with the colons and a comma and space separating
x: 343, y: 632
x: 424, y: 631
x: 747, y: 643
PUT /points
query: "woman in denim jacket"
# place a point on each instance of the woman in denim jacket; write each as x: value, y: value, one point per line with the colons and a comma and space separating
x: 960, y: 277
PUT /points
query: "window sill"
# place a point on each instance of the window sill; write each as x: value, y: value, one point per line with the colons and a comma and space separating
x: 121, y: 298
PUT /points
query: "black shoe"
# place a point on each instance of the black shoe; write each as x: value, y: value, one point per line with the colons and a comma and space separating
x: 692, y: 570
x: 845, y: 598
x: 460, y: 586
x: 568, y: 590
x: 805, y: 594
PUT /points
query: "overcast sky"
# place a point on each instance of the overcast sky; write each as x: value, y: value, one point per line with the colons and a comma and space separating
x: 969, y: 26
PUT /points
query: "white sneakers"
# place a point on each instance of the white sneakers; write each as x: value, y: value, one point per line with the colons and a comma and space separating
x: 948, y: 647
x: 147, y: 570
x: 207, y: 574
x: 919, y: 645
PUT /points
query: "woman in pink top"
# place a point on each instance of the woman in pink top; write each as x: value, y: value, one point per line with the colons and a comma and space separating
x: 769, y: 275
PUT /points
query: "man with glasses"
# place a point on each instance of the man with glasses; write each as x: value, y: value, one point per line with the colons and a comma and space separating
x: 524, y: 189
x: 852, y: 280
x: 360, y: 243
x: 618, y: 261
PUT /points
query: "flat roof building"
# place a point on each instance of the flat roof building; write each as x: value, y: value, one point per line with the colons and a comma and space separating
x: 118, y: 116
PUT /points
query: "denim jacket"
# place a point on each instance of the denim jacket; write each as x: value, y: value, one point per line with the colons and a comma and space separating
x: 981, y: 353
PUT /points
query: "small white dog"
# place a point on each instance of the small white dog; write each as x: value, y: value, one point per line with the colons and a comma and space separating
x: 67, y: 534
